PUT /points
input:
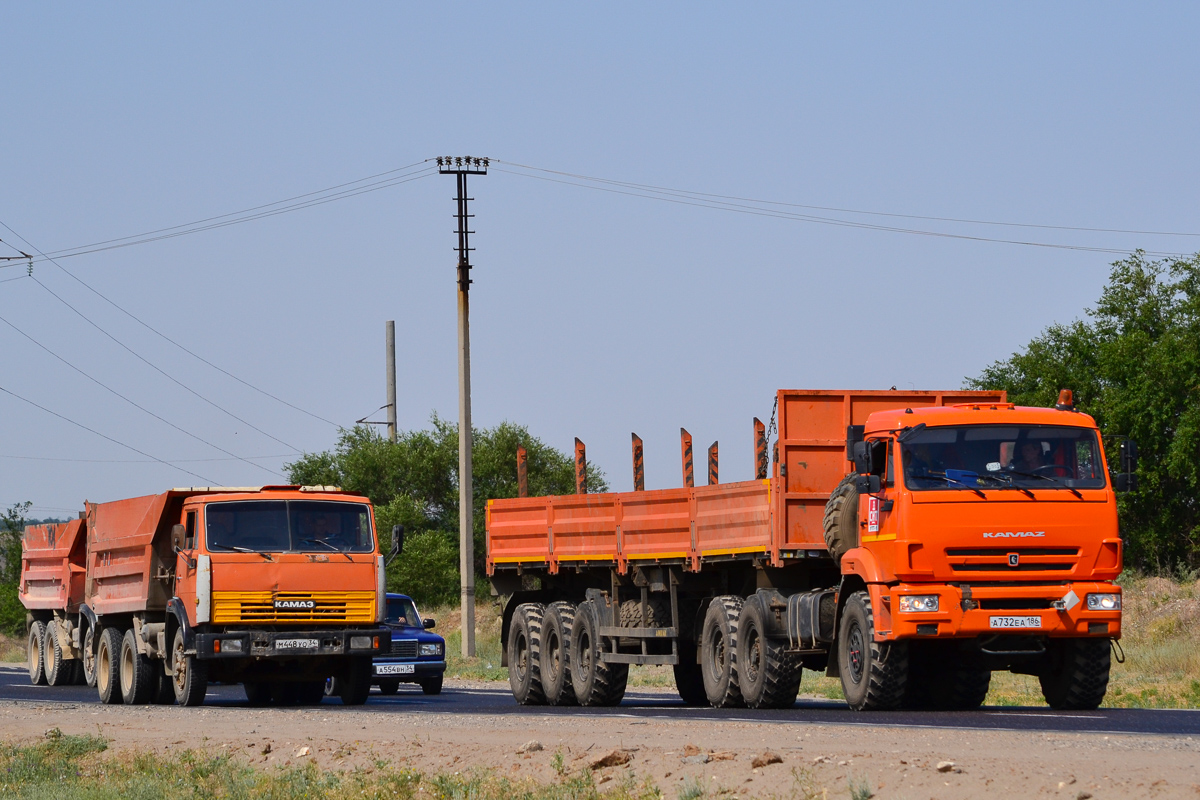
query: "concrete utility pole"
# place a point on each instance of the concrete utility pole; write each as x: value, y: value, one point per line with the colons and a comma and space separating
x: 391, y: 380
x: 462, y: 166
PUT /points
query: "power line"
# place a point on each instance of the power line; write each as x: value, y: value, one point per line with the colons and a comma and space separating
x: 689, y: 193
x: 103, y: 436
x: 133, y: 403
x: 144, y: 461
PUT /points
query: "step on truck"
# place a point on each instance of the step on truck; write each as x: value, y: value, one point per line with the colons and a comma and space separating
x: 910, y: 543
x: 152, y: 598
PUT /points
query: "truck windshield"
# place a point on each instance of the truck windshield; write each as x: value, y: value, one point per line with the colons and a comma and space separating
x: 283, y: 526
x: 974, y: 457
x: 402, y: 611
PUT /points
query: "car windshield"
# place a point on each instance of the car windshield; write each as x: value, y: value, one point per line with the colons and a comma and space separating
x: 282, y: 526
x: 402, y: 611
x: 974, y: 457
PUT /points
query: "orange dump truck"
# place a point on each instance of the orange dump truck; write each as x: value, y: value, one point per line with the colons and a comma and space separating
x: 149, y: 599
x: 910, y: 543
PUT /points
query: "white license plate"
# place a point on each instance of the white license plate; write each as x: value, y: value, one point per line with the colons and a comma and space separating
x: 1016, y: 622
x: 296, y: 644
x: 395, y: 669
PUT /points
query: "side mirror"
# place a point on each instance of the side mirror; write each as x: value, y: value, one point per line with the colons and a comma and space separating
x: 178, y: 534
x: 1126, y: 482
x: 429, y: 623
x: 870, y: 458
x: 1129, y: 456
x: 867, y: 484
x: 397, y: 543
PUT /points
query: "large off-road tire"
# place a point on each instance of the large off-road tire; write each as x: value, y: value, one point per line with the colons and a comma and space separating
x: 1075, y: 677
x: 137, y: 673
x: 356, y: 687
x: 718, y: 652
x: 389, y: 686
x: 961, y: 688
x: 190, y: 678
x: 258, y: 693
x: 525, y: 654
x: 164, y: 690
x: 768, y: 676
x: 108, y: 666
x: 59, y: 671
x: 689, y: 677
x: 596, y: 682
x: 88, y: 662
x: 841, y: 519
x: 309, y: 693
x: 432, y: 685
x: 555, y: 656
x: 874, y: 674
x: 36, y: 653
x: 658, y: 613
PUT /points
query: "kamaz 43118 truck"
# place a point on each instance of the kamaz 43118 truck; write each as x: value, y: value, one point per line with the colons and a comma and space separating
x: 909, y: 542
x: 151, y: 598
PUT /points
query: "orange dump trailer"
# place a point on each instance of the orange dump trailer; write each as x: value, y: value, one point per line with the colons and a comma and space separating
x: 909, y: 542
x: 151, y: 598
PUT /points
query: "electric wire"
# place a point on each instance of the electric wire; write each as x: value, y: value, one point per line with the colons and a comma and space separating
x: 764, y: 212
x: 134, y: 403
x: 103, y: 436
x: 145, y: 461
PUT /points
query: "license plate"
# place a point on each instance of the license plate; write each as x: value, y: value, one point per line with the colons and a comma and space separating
x: 296, y: 644
x: 1016, y: 622
x: 395, y: 669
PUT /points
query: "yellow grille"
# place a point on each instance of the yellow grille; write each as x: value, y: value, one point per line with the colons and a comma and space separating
x: 230, y: 607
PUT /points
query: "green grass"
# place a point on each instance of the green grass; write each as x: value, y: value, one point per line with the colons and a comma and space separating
x: 77, y: 768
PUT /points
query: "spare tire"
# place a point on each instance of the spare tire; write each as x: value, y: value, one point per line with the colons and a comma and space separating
x: 841, y: 519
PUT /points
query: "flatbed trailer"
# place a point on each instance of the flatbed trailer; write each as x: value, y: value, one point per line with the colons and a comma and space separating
x: 735, y: 586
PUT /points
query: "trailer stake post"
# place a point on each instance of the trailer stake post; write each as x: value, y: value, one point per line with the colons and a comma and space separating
x: 760, y: 450
x: 522, y: 473
x: 685, y: 444
x: 639, y: 467
x: 580, y: 467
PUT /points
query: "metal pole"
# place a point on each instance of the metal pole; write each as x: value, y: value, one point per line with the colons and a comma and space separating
x: 391, y: 380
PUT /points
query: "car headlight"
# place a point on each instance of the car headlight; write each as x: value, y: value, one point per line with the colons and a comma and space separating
x: 918, y: 602
x: 1104, y: 602
x: 434, y: 649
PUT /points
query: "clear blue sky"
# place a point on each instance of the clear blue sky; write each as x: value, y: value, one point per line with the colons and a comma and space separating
x: 594, y: 314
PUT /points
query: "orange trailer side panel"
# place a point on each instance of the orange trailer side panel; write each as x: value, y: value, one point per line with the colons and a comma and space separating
x: 126, y: 571
x: 52, y: 566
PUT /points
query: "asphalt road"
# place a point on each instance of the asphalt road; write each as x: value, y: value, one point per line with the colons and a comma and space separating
x: 647, y: 704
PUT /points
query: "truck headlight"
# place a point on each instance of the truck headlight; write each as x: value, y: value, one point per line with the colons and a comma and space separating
x: 1104, y: 602
x: 360, y: 642
x: 918, y: 602
x: 434, y: 649
x: 231, y: 645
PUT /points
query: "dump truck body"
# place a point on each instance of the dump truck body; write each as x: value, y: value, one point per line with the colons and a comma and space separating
x: 999, y: 563
x: 279, y: 588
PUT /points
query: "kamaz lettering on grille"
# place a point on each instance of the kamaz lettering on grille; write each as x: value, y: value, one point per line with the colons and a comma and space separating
x: 1014, y: 535
x: 289, y: 604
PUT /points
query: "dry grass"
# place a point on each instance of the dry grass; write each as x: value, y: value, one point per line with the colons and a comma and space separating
x: 12, y: 649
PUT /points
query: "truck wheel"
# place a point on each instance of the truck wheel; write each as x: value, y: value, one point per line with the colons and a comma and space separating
x: 525, y: 656
x: 310, y: 693
x: 1076, y: 674
x: 874, y: 674
x: 58, y: 671
x: 596, y: 682
x: 718, y: 652
x: 164, y: 691
x: 258, y: 693
x: 841, y: 519
x: 689, y: 679
x: 190, y: 680
x: 555, y: 661
x: 35, y: 650
x: 432, y: 685
x: 389, y: 686
x: 658, y: 613
x: 767, y: 675
x: 88, y: 662
x: 960, y: 689
x: 356, y: 687
x: 108, y: 660
x: 332, y: 687
x: 137, y: 673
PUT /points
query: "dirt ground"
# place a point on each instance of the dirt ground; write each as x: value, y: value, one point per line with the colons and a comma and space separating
x: 814, y: 760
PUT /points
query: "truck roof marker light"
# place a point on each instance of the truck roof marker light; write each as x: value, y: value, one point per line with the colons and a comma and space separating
x: 1066, y: 401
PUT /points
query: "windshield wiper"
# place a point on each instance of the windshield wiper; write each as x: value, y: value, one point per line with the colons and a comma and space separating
x: 267, y: 556
x: 931, y: 476
x: 1007, y: 482
x: 327, y: 544
x: 1055, y: 481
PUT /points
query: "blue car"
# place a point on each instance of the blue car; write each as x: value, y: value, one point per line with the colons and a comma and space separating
x: 417, y: 655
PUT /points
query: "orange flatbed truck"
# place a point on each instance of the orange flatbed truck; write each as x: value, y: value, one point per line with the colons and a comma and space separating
x: 151, y: 598
x: 910, y: 543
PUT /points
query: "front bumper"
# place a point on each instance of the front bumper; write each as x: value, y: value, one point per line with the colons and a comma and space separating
x: 981, y: 610
x: 408, y: 670
x: 290, y: 644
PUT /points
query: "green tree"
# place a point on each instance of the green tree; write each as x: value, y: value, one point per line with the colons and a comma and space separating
x: 414, y: 482
x: 12, y: 528
x: 1134, y: 365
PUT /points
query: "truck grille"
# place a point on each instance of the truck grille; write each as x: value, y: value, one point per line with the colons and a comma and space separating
x: 404, y: 648
x: 327, y: 607
x: 996, y: 559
